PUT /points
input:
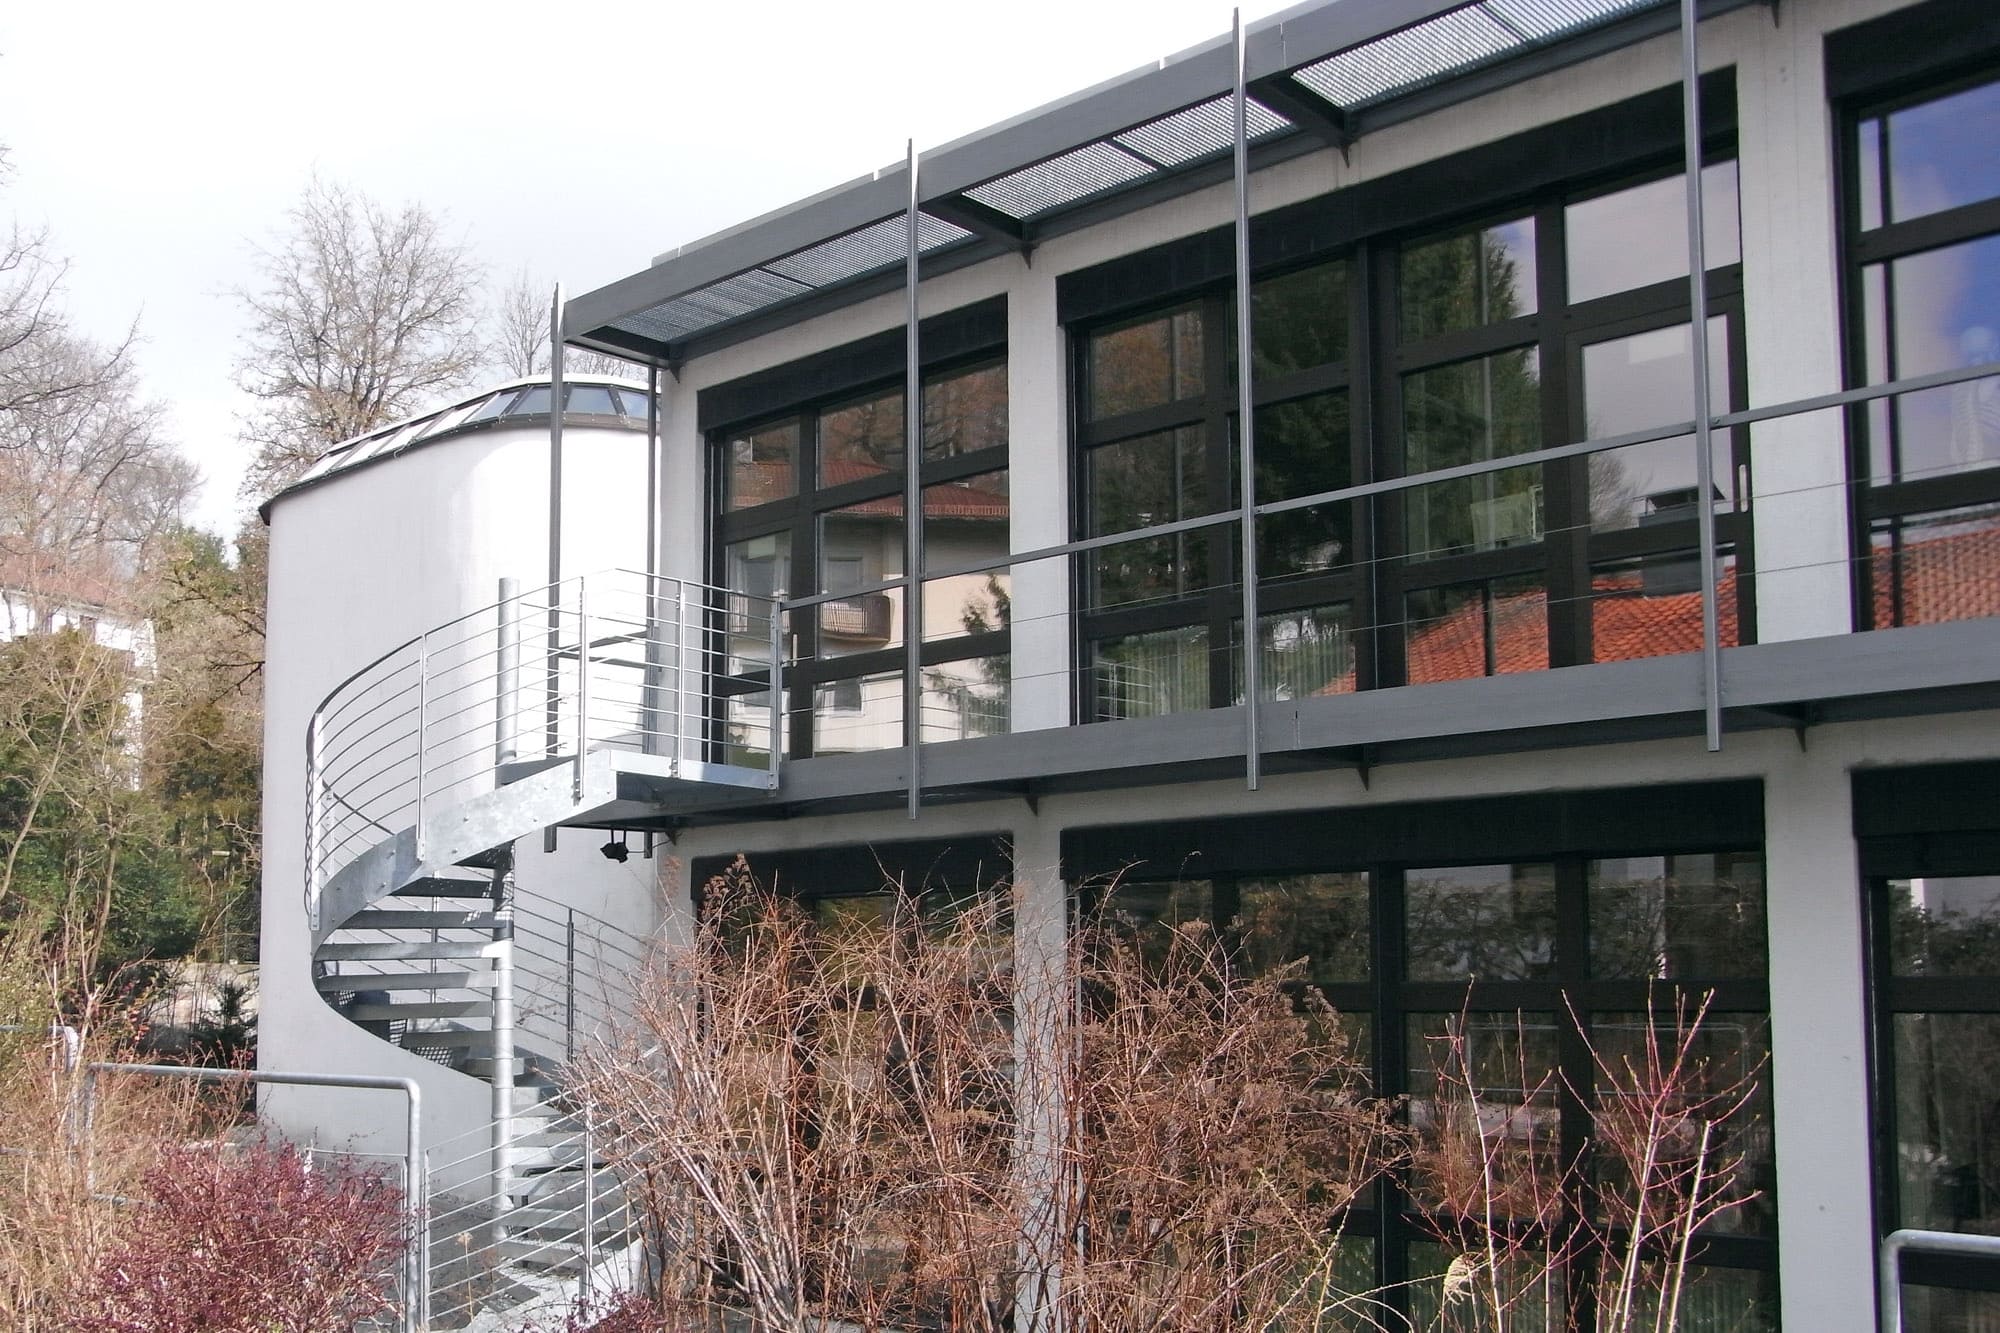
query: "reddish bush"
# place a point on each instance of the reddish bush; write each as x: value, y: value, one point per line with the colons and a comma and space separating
x: 248, y: 1241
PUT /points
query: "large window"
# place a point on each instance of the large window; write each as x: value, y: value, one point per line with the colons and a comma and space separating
x: 813, y: 502
x: 1557, y: 320
x: 1525, y: 963
x: 1931, y: 853
x: 1923, y: 243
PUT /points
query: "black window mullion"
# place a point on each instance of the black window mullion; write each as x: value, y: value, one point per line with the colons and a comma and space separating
x: 1223, y: 602
x: 1364, y: 356
x: 1566, y: 494
x: 1389, y: 509
x: 1392, y: 1081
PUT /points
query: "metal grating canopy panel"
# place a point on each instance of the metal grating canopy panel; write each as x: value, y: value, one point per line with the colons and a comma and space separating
x: 1103, y: 166
x: 1452, y: 43
x: 1061, y: 180
x: 1200, y: 131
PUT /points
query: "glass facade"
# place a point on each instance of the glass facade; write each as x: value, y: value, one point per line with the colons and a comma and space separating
x: 1516, y: 995
x: 813, y: 503
x: 1923, y: 219
x: 1402, y: 356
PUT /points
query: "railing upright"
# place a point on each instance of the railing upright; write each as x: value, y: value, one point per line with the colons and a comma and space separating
x: 423, y: 675
x: 315, y: 812
x: 582, y: 680
x: 589, y: 1204
x: 508, y: 651
x: 777, y: 682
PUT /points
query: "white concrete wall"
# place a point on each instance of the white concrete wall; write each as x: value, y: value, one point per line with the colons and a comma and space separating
x: 359, y: 564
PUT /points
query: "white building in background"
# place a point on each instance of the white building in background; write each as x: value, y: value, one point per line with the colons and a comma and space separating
x: 1730, y: 725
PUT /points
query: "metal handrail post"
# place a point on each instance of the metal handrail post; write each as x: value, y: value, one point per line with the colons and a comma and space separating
x: 1910, y: 1240
x: 589, y: 1203
x: 569, y: 989
x: 416, y: 1302
x: 315, y: 812
x: 582, y: 679
x: 776, y: 677
x: 423, y: 673
x: 502, y: 1041
x: 509, y: 653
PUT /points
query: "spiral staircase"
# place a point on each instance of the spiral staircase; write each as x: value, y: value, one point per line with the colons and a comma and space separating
x: 605, y: 702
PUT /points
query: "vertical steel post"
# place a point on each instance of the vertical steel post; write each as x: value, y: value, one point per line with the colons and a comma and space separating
x: 508, y: 651
x: 913, y: 496
x: 503, y: 1042
x: 1704, y: 461
x: 315, y: 812
x: 650, y: 727
x: 554, y: 743
x: 589, y: 1203
x: 569, y: 989
x: 423, y: 688
x: 582, y: 679
x: 777, y: 677
x: 1246, y: 426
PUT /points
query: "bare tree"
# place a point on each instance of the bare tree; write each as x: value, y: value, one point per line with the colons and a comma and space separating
x: 38, y: 361
x: 519, y: 337
x: 362, y: 313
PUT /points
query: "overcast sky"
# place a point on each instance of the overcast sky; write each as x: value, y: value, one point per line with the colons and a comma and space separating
x: 160, y: 142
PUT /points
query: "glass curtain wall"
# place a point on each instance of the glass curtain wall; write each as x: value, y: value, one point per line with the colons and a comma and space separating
x: 1923, y: 242
x: 1560, y: 320
x: 813, y: 502
x: 1518, y: 970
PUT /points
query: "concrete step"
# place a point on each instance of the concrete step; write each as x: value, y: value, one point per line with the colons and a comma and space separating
x: 414, y: 949
x: 420, y: 1009
x: 394, y: 919
x: 419, y: 981
x: 531, y: 1253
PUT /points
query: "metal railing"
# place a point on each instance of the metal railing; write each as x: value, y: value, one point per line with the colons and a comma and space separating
x: 652, y: 665
x: 1896, y: 1244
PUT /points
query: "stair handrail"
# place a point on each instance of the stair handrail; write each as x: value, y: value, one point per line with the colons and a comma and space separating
x: 436, y: 737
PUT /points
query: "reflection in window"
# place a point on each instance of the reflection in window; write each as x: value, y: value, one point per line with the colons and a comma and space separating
x: 1298, y: 321
x: 1651, y: 606
x: 966, y: 413
x: 1940, y: 156
x: 1148, y: 913
x: 1150, y: 675
x: 1301, y: 654
x: 966, y: 523
x: 1945, y: 927
x: 1938, y: 310
x: 1639, y: 382
x: 1303, y: 448
x: 1490, y: 923
x: 1146, y: 365
x: 1321, y: 919
x: 1468, y: 280
x: 1669, y: 917
x: 1487, y: 1078
x: 1947, y: 1067
x: 1638, y: 236
x: 1728, y: 1056
x: 966, y: 698
x: 1926, y: 569
x: 593, y: 399
x: 1467, y: 630
x: 860, y: 546
x: 859, y: 713
x: 861, y: 440
x: 763, y: 465
x: 1468, y: 413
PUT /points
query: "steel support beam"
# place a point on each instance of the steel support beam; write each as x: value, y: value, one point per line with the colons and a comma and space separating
x: 1306, y: 109
x: 913, y: 496
x: 1246, y: 423
x: 1704, y: 460
x: 981, y: 220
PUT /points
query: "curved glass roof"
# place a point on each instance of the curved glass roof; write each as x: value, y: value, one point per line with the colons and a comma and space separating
x: 591, y: 398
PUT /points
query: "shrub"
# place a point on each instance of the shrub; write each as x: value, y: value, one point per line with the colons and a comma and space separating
x: 255, y: 1240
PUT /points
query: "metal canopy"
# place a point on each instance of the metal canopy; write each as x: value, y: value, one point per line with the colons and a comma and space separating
x: 1322, y: 72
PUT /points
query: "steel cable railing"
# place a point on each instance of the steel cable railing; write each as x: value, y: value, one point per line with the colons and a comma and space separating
x: 653, y: 665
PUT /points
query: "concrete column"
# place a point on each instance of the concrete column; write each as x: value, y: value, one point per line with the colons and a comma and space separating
x: 1792, y: 330
x: 1819, y: 1031
x: 1041, y: 924
x: 1039, y: 449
